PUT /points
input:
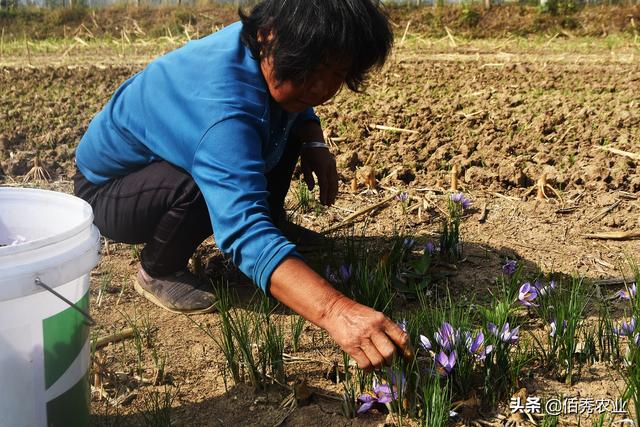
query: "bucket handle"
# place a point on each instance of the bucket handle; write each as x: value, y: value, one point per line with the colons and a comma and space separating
x: 89, y: 319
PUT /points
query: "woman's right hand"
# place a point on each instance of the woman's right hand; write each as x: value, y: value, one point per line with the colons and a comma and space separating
x: 367, y: 335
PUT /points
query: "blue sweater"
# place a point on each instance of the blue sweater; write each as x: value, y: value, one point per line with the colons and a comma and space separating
x: 205, y: 108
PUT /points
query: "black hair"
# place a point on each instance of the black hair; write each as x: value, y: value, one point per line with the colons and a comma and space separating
x: 307, y: 33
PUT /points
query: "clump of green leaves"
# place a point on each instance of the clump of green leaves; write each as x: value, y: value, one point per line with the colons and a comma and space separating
x: 450, y: 244
x: 252, y: 341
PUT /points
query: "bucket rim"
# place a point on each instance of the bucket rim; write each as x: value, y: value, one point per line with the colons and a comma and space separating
x: 35, y: 193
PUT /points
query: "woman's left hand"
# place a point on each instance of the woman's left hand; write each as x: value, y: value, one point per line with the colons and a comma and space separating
x: 321, y: 162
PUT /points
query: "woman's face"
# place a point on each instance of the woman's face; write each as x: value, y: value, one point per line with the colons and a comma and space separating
x: 321, y: 84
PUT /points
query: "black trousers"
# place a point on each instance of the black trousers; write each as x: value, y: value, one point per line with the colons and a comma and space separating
x: 162, y: 206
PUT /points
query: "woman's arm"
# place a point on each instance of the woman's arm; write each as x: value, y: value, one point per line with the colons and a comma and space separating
x: 365, y: 334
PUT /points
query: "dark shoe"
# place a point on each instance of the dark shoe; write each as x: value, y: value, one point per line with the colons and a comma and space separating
x: 305, y: 240
x: 179, y: 292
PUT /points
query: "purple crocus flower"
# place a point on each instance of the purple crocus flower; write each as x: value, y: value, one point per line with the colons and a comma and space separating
x: 626, y: 329
x: 425, y: 343
x: 446, y: 336
x: 402, y: 197
x: 505, y: 335
x: 429, y: 247
x: 394, y: 375
x: 459, y: 198
x: 381, y: 393
x: 509, y: 267
x: 492, y: 328
x: 527, y: 294
x: 476, y: 346
x: 628, y: 293
x: 544, y: 290
x: 344, y: 272
x: 330, y: 274
x: 341, y: 276
x: 537, y: 284
x: 403, y: 325
x: 636, y: 340
x: 444, y: 364
x: 408, y: 243
x: 509, y: 335
x: 554, y: 328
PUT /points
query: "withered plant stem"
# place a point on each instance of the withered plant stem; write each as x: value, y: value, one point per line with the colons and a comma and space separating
x: 404, y: 35
x: 355, y: 215
x: 113, y: 338
x: 455, y: 171
x: 619, y: 152
x: 614, y: 235
x: 391, y: 128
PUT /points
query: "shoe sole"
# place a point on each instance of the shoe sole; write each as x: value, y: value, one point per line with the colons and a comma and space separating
x: 149, y: 296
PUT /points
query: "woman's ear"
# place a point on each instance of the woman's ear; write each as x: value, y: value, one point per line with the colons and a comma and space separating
x: 265, y: 35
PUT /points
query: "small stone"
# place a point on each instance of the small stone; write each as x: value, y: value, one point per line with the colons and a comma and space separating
x: 260, y: 400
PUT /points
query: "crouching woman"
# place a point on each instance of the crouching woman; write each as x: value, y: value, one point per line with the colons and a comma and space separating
x: 204, y: 141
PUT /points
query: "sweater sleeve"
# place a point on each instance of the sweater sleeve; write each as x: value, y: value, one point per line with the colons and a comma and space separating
x: 230, y: 172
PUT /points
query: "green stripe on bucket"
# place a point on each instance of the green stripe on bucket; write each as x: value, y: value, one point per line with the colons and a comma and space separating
x: 64, y: 335
x: 71, y: 408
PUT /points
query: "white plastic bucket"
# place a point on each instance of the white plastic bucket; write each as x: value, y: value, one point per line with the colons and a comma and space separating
x: 44, y: 345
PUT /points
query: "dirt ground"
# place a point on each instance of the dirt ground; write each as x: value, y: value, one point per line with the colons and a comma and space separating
x: 506, y: 112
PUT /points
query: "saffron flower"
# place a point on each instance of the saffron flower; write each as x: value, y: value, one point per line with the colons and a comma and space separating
x: 628, y: 293
x: 344, y: 272
x: 527, y: 294
x: 425, y: 343
x: 429, y: 247
x: 330, y: 274
x: 402, y: 197
x: 626, y: 329
x: 506, y: 335
x: 341, y: 276
x: 636, y: 340
x: 408, y: 243
x: 509, y: 267
x: 403, y: 325
x: 459, y: 198
x: 544, y: 290
x: 446, y: 336
x: 381, y: 393
x: 476, y: 346
x: 444, y: 364
x: 554, y: 328
x: 394, y: 375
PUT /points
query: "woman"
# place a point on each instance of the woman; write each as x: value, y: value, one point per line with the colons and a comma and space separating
x: 205, y: 140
